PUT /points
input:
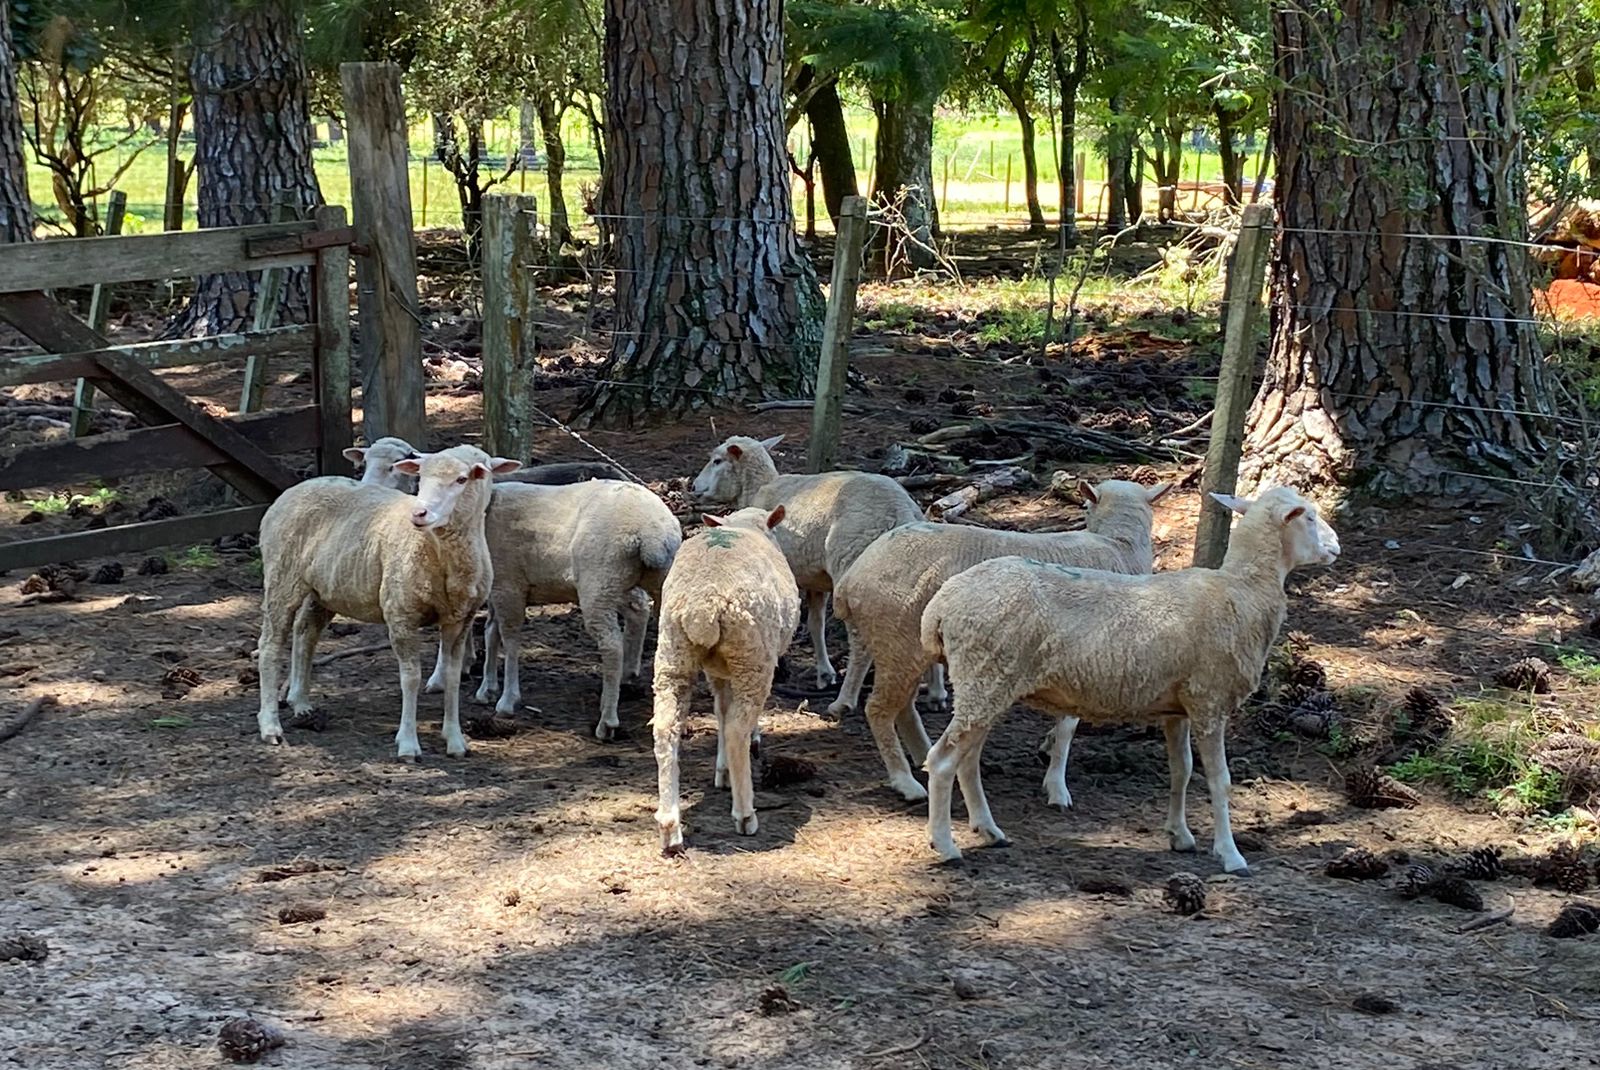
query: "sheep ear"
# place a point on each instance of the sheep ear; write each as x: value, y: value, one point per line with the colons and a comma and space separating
x: 1157, y: 492
x: 1294, y: 514
x: 734, y: 451
x: 501, y: 465
x: 710, y: 521
x: 410, y: 466
x: 775, y: 518
x: 1086, y: 492
x: 771, y: 443
x: 1238, y: 505
x: 356, y: 455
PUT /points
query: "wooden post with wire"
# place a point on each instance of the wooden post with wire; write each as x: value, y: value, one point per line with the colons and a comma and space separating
x: 386, y: 273
x: 509, y: 250
x: 1247, y: 267
x: 99, y: 311
x: 828, y: 414
x: 268, y: 296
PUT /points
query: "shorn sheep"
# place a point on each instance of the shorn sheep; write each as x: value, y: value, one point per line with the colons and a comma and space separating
x: 605, y: 545
x: 829, y: 519
x: 1185, y: 648
x: 882, y: 597
x: 729, y: 608
x: 375, y: 554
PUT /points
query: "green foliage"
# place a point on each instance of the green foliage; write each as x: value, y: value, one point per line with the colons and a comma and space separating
x: 197, y: 557
x: 1487, y: 755
x: 1579, y: 664
x: 894, y: 51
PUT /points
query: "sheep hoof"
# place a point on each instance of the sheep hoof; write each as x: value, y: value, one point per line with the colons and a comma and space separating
x: 838, y: 708
x: 993, y: 837
x: 911, y: 792
x: 746, y: 826
x: 1182, y: 845
x: 409, y: 759
x: 433, y: 687
x: 947, y: 860
x: 605, y: 732
x: 274, y: 739
x: 1062, y: 807
x: 674, y: 850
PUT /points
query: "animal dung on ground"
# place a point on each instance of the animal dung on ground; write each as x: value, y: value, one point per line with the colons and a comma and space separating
x: 1357, y: 864
x: 1373, y: 790
x: 1372, y: 1003
x: 1529, y: 674
x: 1575, y: 919
x: 301, y: 913
x: 1185, y: 894
x: 298, y: 868
x: 245, y: 1040
x: 775, y: 999
x: 782, y: 771
x: 23, y: 947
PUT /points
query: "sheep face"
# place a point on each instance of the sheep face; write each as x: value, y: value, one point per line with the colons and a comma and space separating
x: 719, y: 482
x: 442, y: 477
x: 1307, y: 538
x: 377, y: 462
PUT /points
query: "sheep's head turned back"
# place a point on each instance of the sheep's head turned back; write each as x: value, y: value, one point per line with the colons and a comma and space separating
x: 736, y: 470
x: 377, y: 462
x: 1280, y: 518
x: 758, y: 520
x: 452, y: 485
x: 1119, y: 507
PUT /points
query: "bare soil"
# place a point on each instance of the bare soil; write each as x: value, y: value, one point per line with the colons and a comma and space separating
x: 512, y: 909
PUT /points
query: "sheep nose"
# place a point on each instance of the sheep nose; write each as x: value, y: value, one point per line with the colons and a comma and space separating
x: 419, y: 517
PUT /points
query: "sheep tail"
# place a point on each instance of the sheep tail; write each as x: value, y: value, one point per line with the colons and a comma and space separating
x: 657, y: 551
x: 702, y: 624
x: 933, y: 629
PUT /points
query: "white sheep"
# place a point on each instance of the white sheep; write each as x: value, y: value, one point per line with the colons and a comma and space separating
x: 830, y: 518
x: 377, y: 462
x: 882, y: 597
x: 729, y: 608
x: 604, y: 544
x: 1185, y: 648
x: 375, y: 554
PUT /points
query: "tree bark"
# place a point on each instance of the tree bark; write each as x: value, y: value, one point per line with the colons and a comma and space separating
x: 252, y: 123
x: 1168, y: 162
x: 1133, y: 179
x: 1014, y: 87
x: 1232, y: 158
x: 1396, y: 361
x: 830, y: 140
x: 555, y: 168
x: 1117, y: 153
x: 1069, y: 57
x: 16, y: 207
x: 715, y: 301
x: 905, y: 181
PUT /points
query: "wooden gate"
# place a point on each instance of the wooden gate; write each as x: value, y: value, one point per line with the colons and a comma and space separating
x: 178, y: 432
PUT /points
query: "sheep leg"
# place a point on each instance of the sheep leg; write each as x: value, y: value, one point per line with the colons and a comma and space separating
x: 817, y: 627
x: 491, y: 660
x: 635, y: 621
x: 938, y: 694
x: 508, y: 635
x: 277, y: 622
x: 741, y: 714
x: 855, y: 675
x: 1180, y: 762
x: 308, y: 626
x: 885, y: 706
x: 1214, y: 756
x: 604, y: 628
x: 719, y: 710
x: 1055, y: 778
x: 913, y: 734
x: 436, y: 679
x: 453, y: 639
x: 970, y: 774
x: 672, y: 703
x: 942, y: 763
x: 407, y: 646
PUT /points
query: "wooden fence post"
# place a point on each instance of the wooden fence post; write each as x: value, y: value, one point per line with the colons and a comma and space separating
x: 386, y: 276
x: 828, y: 413
x: 1078, y: 175
x: 268, y: 296
x: 99, y: 310
x: 508, y: 358
x: 330, y: 372
x: 1247, y: 267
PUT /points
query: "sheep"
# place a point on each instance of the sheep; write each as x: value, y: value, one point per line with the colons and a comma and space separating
x: 882, y: 597
x: 1184, y: 647
x: 728, y: 609
x: 377, y: 462
x: 831, y: 518
x: 605, y: 545
x: 375, y: 554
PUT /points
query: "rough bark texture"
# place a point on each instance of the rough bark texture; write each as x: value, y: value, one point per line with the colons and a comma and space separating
x: 1015, y: 87
x: 715, y: 300
x: 905, y: 182
x: 463, y: 162
x: 830, y: 140
x: 1167, y: 161
x: 1232, y: 158
x: 1069, y: 59
x: 555, y: 167
x: 252, y: 123
x: 1118, y: 150
x: 1396, y: 361
x: 16, y: 209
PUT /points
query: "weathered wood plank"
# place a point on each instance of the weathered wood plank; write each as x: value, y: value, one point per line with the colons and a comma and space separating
x: 171, y: 447
x: 827, y: 417
x: 508, y: 356
x: 51, y: 265
x: 289, y: 341
x: 268, y: 296
x: 331, y: 363
x: 386, y: 278
x: 130, y: 538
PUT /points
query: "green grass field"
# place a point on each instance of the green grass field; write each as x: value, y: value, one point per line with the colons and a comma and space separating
x: 972, y: 155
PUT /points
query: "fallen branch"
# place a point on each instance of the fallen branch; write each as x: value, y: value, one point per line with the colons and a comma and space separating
x: 903, y: 1049
x: 1489, y: 919
x: 929, y: 480
x: 370, y: 648
x: 986, y: 486
x: 23, y: 719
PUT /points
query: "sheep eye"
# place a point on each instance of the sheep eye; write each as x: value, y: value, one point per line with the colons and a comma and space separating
x: 463, y: 479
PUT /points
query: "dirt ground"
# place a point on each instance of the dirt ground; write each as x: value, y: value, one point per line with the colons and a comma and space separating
x: 512, y: 909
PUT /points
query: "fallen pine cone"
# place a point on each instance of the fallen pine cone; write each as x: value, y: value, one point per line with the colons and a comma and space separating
x: 153, y: 566
x: 1456, y: 892
x: 1415, y: 882
x: 181, y: 676
x: 110, y: 572
x: 782, y: 771
x: 1372, y: 790
x: 1575, y: 919
x: 34, y: 584
x: 1529, y: 674
x: 1372, y: 1003
x: 23, y: 948
x: 1357, y: 864
x: 1479, y: 864
x: 312, y: 720
x: 245, y: 1040
x: 775, y: 999
x: 1563, y: 867
x: 300, y: 914
x: 490, y: 727
x: 1186, y: 893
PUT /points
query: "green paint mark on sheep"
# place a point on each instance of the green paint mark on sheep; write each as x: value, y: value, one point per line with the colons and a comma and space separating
x: 721, y: 538
x: 1065, y: 570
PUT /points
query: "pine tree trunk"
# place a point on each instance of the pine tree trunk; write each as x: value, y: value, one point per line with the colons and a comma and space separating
x: 555, y: 168
x: 715, y: 301
x: 1169, y: 170
x: 1069, y: 57
x: 252, y: 124
x: 16, y: 209
x: 905, y: 181
x: 1133, y: 180
x: 830, y: 140
x: 1117, y: 151
x: 1397, y: 361
x: 1232, y: 158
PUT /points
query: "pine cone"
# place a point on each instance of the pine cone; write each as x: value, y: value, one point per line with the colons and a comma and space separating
x: 1372, y: 790
x: 245, y: 1040
x: 921, y: 425
x: 1186, y: 893
x: 1357, y: 864
x: 1478, y: 864
x: 1575, y: 919
x: 1269, y: 719
x: 1529, y: 674
x: 1456, y: 892
x: 1307, y: 673
x: 1293, y: 695
x: 1313, y: 717
x: 1416, y: 881
x: 1426, y: 719
x: 110, y: 572
x: 1563, y: 867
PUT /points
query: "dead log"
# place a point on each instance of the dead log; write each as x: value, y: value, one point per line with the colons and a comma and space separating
x: 986, y: 486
